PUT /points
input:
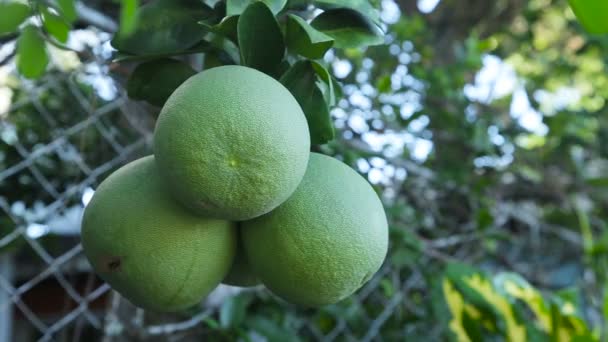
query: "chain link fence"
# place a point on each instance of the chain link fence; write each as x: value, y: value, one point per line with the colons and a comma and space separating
x: 60, y: 137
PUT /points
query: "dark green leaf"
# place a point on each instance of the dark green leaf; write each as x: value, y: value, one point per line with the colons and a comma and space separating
x: 598, y: 182
x: 362, y: 6
x: 472, y: 327
x: 383, y: 84
x: 55, y: 25
x: 32, y: 58
x: 298, y: 4
x: 330, y: 96
x: 12, y: 14
x: 68, y: 10
x: 337, y: 88
x: 349, y: 28
x: 260, y: 38
x: 282, y: 69
x: 164, y: 27
x: 128, y: 16
x: 305, y: 40
x: 232, y: 312
x: 217, y: 58
x: 484, y: 218
x: 201, y: 46
x: 227, y: 28
x: 154, y: 81
x: 301, y: 80
x: 236, y: 7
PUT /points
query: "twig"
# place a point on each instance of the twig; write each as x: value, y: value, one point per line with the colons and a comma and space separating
x: 410, y: 166
x: 96, y: 18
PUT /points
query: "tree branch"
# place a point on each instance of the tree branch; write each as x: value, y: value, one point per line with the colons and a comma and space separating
x: 95, y: 18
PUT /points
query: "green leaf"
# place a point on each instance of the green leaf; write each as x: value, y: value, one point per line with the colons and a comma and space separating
x: 201, y: 46
x: 597, y: 182
x: 362, y: 6
x: 260, y: 38
x: 383, y: 84
x: 12, y: 14
x: 305, y: 40
x: 217, y: 58
x: 227, y: 27
x: 301, y: 80
x: 68, y: 10
x: 349, y: 28
x: 232, y: 312
x: 55, y: 25
x: 337, y: 88
x: 591, y: 14
x: 323, y: 73
x: 164, y: 27
x: 236, y: 7
x: 297, y: 4
x: 128, y: 17
x: 484, y: 218
x: 154, y: 81
x: 32, y: 58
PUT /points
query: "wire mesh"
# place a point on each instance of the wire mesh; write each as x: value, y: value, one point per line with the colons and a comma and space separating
x: 58, y: 140
x: 46, y: 283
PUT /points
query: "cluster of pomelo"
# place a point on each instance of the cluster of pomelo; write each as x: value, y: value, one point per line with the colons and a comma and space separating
x: 232, y: 194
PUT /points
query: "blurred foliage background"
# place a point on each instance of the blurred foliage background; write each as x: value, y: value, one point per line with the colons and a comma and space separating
x: 483, y: 126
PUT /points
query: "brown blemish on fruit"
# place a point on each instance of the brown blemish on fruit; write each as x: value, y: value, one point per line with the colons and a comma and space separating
x: 112, y: 264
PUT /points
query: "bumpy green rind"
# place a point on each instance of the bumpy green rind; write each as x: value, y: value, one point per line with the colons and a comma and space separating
x: 232, y: 143
x: 147, y: 247
x: 240, y: 273
x: 325, y: 241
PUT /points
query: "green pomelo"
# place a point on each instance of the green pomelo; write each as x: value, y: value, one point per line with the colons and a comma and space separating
x: 325, y: 241
x: 240, y: 273
x: 147, y: 247
x: 232, y: 143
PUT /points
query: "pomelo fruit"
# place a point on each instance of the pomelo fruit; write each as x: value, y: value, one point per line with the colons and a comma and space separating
x: 240, y: 273
x: 151, y: 250
x: 325, y: 241
x: 232, y: 143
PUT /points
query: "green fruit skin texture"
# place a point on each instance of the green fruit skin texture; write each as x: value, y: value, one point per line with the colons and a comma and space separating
x: 232, y: 143
x: 152, y: 251
x: 240, y: 273
x: 325, y: 241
